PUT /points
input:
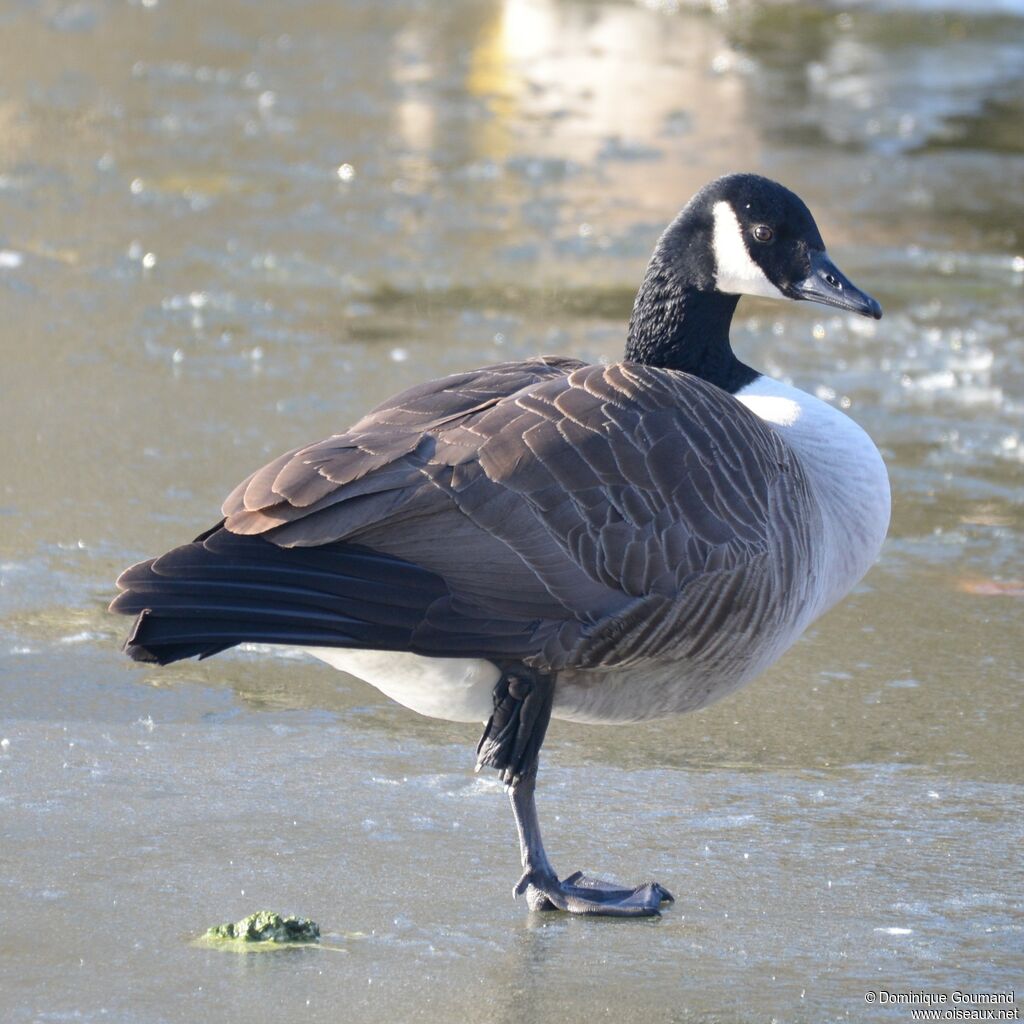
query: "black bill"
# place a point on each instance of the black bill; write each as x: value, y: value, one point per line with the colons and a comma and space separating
x: 827, y: 284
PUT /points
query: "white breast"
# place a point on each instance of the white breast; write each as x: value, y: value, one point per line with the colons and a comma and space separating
x: 846, y: 472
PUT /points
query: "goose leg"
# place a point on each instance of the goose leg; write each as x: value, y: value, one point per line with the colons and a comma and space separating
x: 511, y: 743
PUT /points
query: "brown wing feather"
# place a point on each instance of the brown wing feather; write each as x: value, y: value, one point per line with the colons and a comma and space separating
x: 584, y: 502
x: 304, y: 476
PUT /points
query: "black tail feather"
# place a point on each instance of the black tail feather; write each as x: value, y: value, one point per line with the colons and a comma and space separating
x: 224, y: 589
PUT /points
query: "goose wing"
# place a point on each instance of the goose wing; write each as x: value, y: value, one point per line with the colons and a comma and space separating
x: 594, y: 513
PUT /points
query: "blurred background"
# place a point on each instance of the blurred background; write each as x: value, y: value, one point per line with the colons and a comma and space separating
x: 229, y: 228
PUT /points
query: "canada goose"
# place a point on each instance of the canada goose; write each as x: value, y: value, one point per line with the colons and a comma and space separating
x: 599, y: 543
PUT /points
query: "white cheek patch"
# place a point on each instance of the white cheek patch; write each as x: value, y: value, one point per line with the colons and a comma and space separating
x: 736, y: 273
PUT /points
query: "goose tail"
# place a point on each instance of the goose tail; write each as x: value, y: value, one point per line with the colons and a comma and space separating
x: 224, y: 589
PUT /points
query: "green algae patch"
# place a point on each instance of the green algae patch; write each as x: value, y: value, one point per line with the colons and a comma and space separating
x: 262, y: 930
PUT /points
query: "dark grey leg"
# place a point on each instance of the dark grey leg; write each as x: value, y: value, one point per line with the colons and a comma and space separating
x: 536, y: 865
x: 511, y: 743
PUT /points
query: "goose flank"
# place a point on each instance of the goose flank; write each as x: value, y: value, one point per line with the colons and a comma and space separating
x: 600, y: 543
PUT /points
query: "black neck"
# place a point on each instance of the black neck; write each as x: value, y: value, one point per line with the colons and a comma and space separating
x: 680, y: 322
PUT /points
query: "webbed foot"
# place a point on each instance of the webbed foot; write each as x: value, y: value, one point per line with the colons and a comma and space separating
x: 584, y: 894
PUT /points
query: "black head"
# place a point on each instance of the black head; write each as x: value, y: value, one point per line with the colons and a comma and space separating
x: 739, y: 235
x: 764, y: 242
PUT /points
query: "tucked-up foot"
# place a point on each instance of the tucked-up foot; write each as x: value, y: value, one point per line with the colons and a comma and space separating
x: 583, y: 894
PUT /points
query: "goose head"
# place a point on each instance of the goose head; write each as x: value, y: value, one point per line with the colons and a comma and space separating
x: 764, y: 241
x: 739, y: 235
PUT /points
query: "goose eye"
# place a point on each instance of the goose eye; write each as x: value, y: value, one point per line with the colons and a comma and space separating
x: 763, y: 233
